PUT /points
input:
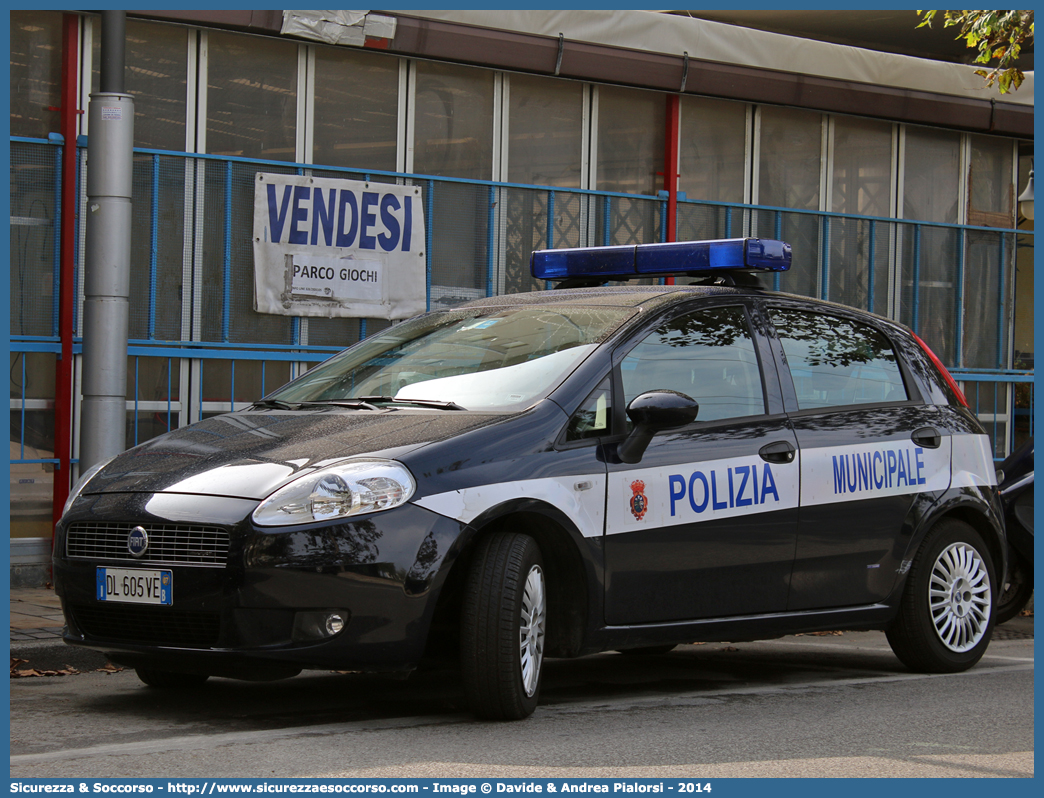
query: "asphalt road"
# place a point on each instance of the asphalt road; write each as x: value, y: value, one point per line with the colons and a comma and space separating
x: 808, y: 706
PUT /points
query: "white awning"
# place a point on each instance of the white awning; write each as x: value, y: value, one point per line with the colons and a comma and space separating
x: 670, y: 34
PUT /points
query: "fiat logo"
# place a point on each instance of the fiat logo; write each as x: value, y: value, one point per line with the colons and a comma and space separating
x: 137, y: 541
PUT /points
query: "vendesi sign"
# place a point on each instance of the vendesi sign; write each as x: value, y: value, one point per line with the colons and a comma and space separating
x: 338, y: 248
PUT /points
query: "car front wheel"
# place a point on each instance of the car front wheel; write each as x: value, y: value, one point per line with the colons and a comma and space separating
x: 503, y: 622
x: 946, y: 615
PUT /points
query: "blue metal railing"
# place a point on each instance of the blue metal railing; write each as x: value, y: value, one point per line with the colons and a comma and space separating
x: 1003, y: 397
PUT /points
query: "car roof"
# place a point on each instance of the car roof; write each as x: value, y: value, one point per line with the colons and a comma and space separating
x: 627, y: 296
x: 650, y: 297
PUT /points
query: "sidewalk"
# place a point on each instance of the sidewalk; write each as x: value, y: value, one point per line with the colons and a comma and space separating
x: 36, y: 614
x: 36, y: 634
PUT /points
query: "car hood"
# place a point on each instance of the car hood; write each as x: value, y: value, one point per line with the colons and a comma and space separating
x: 251, y: 453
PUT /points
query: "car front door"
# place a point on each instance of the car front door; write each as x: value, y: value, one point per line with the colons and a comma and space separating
x: 704, y: 525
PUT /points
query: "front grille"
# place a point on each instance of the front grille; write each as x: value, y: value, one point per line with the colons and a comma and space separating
x: 169, y: 543
x: 149, y: 625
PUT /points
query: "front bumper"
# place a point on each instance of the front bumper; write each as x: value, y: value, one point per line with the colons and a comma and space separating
x: 237, y: 617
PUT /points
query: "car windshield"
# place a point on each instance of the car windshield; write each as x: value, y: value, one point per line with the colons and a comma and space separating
x: 478, y: 359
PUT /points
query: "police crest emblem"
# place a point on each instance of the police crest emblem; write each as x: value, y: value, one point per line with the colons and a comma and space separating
x: 639, y: 503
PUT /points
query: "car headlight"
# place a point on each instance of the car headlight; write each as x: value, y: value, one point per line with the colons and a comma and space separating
x: 350, y: 488
x: 81, y: 483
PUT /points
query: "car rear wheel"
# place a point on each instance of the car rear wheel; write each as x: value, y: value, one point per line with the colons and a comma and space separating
x: 170, y: 680
x: 503, y: 622
x: 946, y: 616
x: 1018, y: 588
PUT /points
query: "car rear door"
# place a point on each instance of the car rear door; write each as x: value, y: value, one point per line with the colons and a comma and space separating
x: 870, y: 447
x: 705, y: 524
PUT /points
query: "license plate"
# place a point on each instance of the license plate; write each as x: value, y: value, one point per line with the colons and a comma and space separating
x: 135, y: 586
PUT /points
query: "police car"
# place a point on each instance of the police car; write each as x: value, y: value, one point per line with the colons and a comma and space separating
x: 555, y: 474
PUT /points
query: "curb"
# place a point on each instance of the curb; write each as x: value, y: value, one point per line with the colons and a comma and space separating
x: 54, y: 655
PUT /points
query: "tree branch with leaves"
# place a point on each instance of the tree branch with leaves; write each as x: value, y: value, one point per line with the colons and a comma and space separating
x: 998, y: 36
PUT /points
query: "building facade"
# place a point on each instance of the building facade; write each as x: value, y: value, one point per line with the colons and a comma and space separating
x: 895, y: 180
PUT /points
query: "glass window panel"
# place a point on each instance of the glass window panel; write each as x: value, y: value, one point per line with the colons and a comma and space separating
x: 161, y: 179
x: 227, y: 215
x: 789, y: 170
x: 546, y: 131
x: 33, y: 255
x: 335, y: 332
x: 32, y: 438
x: 991, y: 189
x: 153, y: 379
x: 929, y: 286
x: 1024, y: 283
x: 156, y: 74
x: 251, y: 97
x: 31, y: 492
x: 356, y: 109
x: 627, y: 220
x: 32, y: 377
x: 931, y: 192
x: 931, y: 186
x: 453, y: 132
x: 250, y: 379
x: 708, y: 356
x: 803, y: 231
x: 460, y: 247
x: 991, y: 402
x: 861, y: 183
x: 837, y: 362
x: 862, y: 178
x: 36, y: 72
x: 712, y: 149
x: 859, y: 251
x: 630, y: 140
x: 153, y: 391
x: 987, y: 285
x: 791, y: 156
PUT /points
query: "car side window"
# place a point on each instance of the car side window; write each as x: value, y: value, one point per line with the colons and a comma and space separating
x: 834, y: 361
x: 707, y: 355
x: 594, y: 417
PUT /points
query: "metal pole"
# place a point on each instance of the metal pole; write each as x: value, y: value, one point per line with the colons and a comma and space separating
x: 670, y: 165
x: 113, y: 41
x: 67, y: 283
x: 107, y: 253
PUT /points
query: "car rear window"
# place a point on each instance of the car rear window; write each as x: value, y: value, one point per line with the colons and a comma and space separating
x: 836, y: 361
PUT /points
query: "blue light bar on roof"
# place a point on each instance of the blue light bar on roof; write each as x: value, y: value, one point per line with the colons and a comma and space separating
x: 652, y: 260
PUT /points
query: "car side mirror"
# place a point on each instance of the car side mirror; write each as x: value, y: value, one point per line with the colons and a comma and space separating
x: 652, y: 412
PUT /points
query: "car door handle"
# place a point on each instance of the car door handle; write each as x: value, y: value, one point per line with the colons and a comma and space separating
x: 928, y: 437
x: 778, y: 452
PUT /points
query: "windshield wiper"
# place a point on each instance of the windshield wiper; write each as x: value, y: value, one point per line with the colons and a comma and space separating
x: 354, y: 404
x: 419, y: 402
x: 275, y: 403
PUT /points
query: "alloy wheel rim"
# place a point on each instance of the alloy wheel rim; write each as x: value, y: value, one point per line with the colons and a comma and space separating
x: 531, y: 629
x: 959, y: 597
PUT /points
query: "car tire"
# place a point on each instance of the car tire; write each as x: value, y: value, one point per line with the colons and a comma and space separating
x: 170, y: 680
x: 946, y: 612
x: 1016, y: 590
x: 503, y: 622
